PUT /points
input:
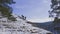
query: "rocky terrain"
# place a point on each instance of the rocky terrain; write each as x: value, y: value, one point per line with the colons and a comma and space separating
x: 19, y: 27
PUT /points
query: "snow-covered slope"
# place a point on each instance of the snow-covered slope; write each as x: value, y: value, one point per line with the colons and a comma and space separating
x: 19, y: 27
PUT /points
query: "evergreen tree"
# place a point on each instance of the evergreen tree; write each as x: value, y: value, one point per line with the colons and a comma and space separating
x: 55, y: 12
x: 5, y: 9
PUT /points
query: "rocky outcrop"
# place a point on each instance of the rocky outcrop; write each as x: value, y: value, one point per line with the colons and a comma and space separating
x: 19, y: 27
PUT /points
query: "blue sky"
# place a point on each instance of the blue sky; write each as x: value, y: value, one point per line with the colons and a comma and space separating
x: 32, y: 9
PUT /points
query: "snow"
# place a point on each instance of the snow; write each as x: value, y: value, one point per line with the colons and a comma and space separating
x: 19, y: 27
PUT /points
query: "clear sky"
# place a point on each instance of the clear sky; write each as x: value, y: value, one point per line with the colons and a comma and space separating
x: 34, y: 10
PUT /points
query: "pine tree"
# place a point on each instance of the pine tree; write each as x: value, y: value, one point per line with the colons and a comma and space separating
x: 55, y: 12
x: 5, y: 8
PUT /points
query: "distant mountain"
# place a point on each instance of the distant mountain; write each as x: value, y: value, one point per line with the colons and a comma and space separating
x: 45, y: 25
x: 42, y: 24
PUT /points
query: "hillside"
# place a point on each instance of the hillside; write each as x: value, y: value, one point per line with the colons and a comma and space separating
x: 19, y: 27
